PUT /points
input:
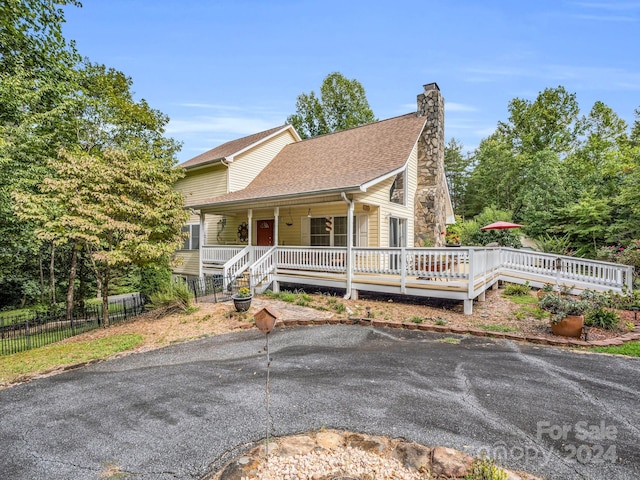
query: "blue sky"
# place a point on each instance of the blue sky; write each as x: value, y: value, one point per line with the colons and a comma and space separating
x: 225, y: 69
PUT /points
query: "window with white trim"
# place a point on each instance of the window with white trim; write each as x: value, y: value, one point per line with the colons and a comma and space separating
x: 332, y: 231
x: 192, y: 242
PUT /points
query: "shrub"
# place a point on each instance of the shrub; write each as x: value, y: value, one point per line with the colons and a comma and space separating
x: 486, y: 469
x: 602, y: 318
x: 560, y: 306
x: 154, y: 278
x: 175, y: 297
x: 515, y: 289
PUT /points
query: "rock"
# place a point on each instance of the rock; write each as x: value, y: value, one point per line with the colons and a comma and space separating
x: 365, y: 443
x: 448, y: 462
x: 413, y: 456
x: 297, y: 445
x: 329, y: 440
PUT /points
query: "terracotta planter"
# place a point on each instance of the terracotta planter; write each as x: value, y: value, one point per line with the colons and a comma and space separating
x: 570, y: 326
x: 242, y: 304
x: 542, y: 293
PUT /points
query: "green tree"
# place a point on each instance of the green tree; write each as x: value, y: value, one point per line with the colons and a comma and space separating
x: 36, y: 76
x: 342, y: 104
x: 456, y: 166
x: 121, y: 208
x: 547, y: 123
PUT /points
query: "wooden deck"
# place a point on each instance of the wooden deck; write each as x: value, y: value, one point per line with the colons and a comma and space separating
x: 454, y: 273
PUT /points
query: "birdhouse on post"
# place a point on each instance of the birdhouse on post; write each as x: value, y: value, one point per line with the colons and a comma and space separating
x: 266, y: 319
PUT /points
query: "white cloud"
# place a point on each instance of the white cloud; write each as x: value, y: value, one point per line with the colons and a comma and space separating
x: 459, y: 107
x: 210, y: 124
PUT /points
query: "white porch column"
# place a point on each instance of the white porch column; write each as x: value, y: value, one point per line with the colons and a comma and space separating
x: 249, y: 226
x: 349, y: 259
x: 203, y: 242
x: 276, y: 213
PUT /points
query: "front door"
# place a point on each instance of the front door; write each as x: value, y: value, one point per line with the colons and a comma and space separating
x: 264, y: 235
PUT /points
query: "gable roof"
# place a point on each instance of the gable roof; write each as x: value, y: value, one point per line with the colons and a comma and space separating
x: 232, y: 148
x: 340, y: 161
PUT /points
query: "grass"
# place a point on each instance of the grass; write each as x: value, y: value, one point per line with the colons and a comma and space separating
x: 631, y: 349
x: 522, y: 299
x: 12, y: 367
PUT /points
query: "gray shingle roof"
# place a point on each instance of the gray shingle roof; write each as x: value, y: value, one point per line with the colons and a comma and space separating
x: 230, y: 148
x: 343, y: 160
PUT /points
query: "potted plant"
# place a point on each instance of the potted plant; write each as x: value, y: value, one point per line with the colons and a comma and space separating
x: 242, y: 299
x: 545, y: 290
x: 566, y: 314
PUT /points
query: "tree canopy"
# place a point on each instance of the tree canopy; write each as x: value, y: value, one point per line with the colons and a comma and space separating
x: 86, y: 171
x: 559, y: 172
x: 342, y: 104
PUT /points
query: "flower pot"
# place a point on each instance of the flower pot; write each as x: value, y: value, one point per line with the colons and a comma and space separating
x: 569, y: 326
x: 242, y: 304
x: 542, y: 293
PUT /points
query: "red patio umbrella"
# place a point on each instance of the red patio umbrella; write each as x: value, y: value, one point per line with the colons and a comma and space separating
x: 500, y: 226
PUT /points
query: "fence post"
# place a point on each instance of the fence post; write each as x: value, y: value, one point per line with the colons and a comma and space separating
x: 27, y: 334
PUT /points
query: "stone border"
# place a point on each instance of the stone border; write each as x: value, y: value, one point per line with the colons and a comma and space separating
x: 368, y: 322
x: 431, y: 462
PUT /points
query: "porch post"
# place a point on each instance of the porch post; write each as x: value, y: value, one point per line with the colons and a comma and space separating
x: 203, y: 242
x: 249, y: 226
x: 276, y: 213
x: 349, y: 259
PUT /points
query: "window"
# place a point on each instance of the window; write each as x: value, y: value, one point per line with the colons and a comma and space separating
x: 315, y: 232
x: 192, y: 242
x: 396, y: 194
x: 319, y: 235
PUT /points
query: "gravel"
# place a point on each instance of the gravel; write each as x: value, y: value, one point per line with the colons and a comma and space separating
x: 342, y: 463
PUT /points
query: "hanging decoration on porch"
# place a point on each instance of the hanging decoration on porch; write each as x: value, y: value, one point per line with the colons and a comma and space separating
x: 243, y: 232
x: 327, y: 223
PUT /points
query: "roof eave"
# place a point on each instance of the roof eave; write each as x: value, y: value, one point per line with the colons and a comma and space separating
x: 274, y: 198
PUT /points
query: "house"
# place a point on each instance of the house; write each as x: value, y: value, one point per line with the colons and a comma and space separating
x: 272, y: 188
x: 361, y: 209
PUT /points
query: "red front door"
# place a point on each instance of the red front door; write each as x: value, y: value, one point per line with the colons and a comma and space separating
x: 264, y: 237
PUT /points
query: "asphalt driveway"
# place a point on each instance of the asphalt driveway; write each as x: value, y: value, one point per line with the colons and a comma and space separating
x: 171, y: 413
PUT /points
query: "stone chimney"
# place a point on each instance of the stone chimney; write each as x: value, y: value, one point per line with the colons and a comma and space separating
x: 429, y: 206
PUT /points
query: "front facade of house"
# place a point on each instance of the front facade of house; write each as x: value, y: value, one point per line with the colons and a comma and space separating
x: 363, y: 209
x: 384, y: 182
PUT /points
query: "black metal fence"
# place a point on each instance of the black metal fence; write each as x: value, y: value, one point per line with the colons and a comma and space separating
x: 27, y: 331
x: 209, y: 289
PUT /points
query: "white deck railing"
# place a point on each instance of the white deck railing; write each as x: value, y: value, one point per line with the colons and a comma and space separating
x: 569, y: 271
x: 479, y: 267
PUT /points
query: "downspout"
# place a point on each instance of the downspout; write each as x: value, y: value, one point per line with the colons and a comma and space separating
x: 203, y: 241
x: 349, y: 261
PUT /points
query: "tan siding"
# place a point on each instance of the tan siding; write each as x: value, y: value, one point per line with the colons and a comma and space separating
x: 200, y: 185
x: 379, y: 195
x: 186, y: 262
x: 245, y: 167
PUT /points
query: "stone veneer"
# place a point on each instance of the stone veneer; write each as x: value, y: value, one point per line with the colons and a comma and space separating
x: 430, y: 198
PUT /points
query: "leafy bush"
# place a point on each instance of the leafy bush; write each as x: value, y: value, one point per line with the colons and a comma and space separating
x: 602, y: 318
x: 154, y: 278
x: 516, y: 289
x: 486, y: 469
x: 175, y: 297
x: 554, y: 244
x: 560, y: 306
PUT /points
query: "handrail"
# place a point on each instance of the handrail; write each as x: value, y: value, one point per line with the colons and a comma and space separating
x: 262, y: 268
x: 235, y: 266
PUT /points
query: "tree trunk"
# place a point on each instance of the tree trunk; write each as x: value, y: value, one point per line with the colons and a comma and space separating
x: 52, y: 276
x: 41, y: 267
x: 105, y: 298
x: 72, y: 279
